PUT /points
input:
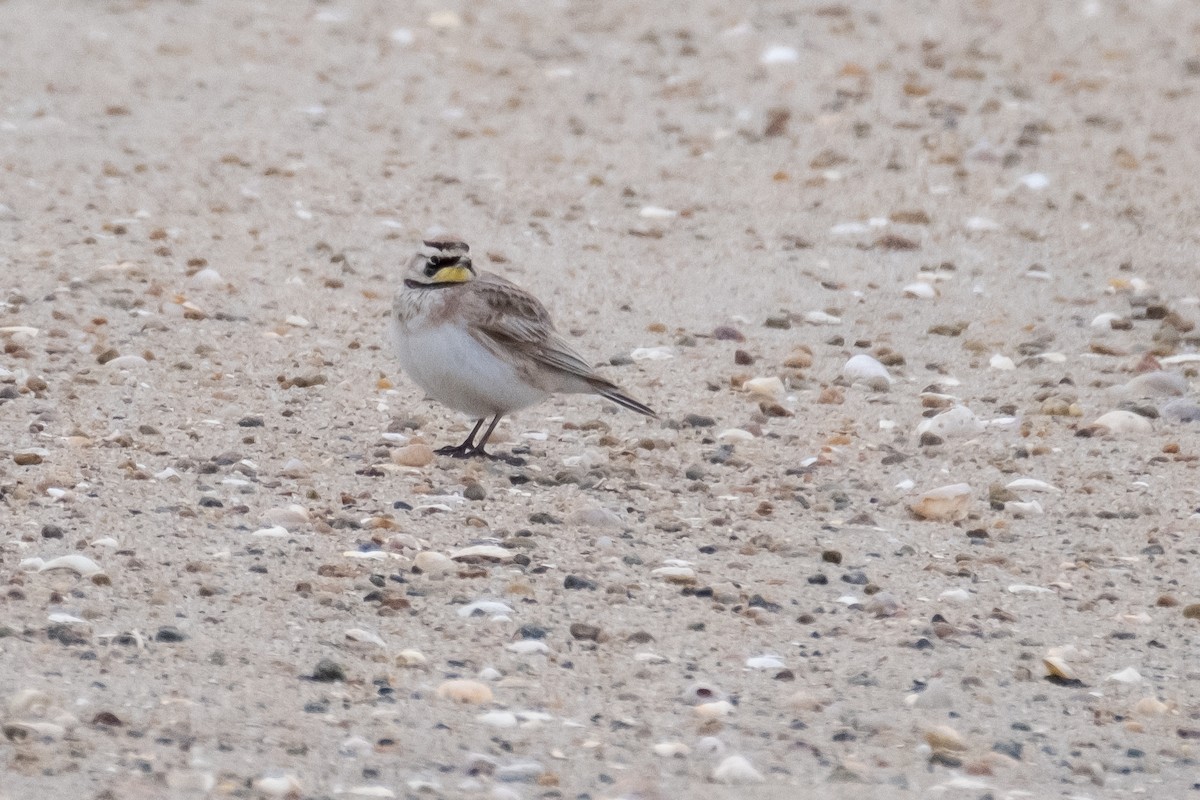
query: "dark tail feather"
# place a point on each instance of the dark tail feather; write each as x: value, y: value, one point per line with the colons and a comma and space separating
x: 614, y: 393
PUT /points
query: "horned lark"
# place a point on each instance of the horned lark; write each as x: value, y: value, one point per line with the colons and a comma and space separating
x: 480, y: 344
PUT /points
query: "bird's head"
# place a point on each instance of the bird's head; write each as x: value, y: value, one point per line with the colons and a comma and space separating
x: 443, y: 261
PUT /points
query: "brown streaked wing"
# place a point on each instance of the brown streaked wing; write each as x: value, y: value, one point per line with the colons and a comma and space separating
x: 515, y: 318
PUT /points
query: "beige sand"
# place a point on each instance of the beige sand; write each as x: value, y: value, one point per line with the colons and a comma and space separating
x: 205, y: 208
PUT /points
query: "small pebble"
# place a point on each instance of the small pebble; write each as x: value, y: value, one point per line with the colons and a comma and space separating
x: 465, y: 690
x: 413, y: 455
x: 736, y: 770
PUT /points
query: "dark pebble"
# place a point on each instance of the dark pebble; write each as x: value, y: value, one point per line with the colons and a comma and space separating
x: 727, y: 333
x: 698, y: 421
x: 742, y: 358
x: 328, y: 671
x: 211, y: 502
x: 250, y: 422
x: 831, y: 556
x: 1010, y: 749
x: 52, y: 532
x: 585, y: 632
x: 758, y: 601
x: 169, y: 635
x: 544, y: 518
x: 530, y: 632
x: 475, y: 492
x: 856, y: 578
x: 575, y: 582
x: 818, y: 579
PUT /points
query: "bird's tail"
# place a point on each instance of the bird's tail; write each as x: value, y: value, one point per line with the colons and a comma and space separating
x: 613, y: 392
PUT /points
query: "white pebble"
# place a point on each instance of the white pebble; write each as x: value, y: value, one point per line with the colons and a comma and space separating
x: 770, y: 388
x: 1035, y: 181
x: 982, y: 224
x: 674, y: 573
x: 1104, y: 321
x: 864, y: 369
x: 1127, y: 675
x: 273, y: 532
x: 1001, y: 362
x: 1024, y: 588
x: 735, y: 435
x: 821, y: 318
x: 528, y: 647
x: 651, y: 353
x: 291, y: 516
x: 657, y: 212
x: 207, y: 278
x: 411, y: 658
x: 364, y: 636
x: 491, y: 608
x: 464, y: 690
x: 278, y: 785
x: 1123, y: 422
x: 499, y: 719
x: 714, y: 710
x: 736, y: 770
x: 1158, y: 383
x: 920, y: 291
x: 671, y: 749
x: 433, y: 563
x: 955, y: 594
x: 1030, y: 507
x: 765, y: 662
x: 780, y: 54
x: 402, y: 36
x: 849, y: 229
x: 127, y: 362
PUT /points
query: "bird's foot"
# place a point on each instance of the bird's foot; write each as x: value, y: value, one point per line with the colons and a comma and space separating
x: 457, y: 451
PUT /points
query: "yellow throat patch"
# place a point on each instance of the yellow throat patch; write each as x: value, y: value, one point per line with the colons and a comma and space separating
x: 452, y: 275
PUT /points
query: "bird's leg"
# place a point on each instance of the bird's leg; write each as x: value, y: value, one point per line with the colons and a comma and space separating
x: 477, y: 450
x: 467, y: 448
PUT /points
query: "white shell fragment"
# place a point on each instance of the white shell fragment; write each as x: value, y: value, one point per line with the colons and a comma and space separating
x: 945, y: 503
x: 81, y: 565
x: 920, y: 290
x: 484, y: 552
x: 955, y: 421
x: 1120, y: 423
x: 651, y: 353
x: 770, y: 388
x: 736, y: 770
x: 1156, y: 384
x: 765, y: 662
x: 866, y: 370
x: 127, y: 362
x: 490, y: 608
x: 1031, y: 485
x: 1127, y: 675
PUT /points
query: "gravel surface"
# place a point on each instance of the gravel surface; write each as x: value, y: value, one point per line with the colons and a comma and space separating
x: 913, y: 288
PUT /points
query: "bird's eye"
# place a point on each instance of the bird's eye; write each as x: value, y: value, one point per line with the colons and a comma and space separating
x: 432, y: 266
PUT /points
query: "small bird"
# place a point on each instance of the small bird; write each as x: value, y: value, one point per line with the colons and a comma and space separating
x: 481, y: 344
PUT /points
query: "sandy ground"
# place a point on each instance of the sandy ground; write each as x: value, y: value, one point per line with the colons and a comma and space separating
x: 204, y: 209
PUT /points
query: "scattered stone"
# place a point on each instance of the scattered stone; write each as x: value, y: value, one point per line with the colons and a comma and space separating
x: 465, y: 690
x: 328, y: 671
